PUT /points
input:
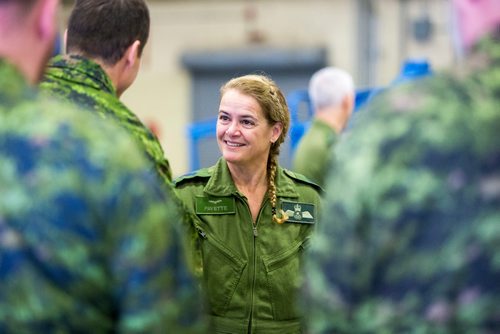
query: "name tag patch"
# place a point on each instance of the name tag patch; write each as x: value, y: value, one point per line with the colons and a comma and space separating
x: 303, y: 213
x: 215, y: 205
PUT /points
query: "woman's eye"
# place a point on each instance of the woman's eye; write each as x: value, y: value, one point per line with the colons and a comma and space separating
x: 223, y: 118
x: 247, y: 122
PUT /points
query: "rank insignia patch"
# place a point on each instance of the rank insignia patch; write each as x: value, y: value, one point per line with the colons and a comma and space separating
x: 303, y: 213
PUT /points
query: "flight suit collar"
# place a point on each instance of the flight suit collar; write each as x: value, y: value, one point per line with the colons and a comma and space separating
x: 221, y: 182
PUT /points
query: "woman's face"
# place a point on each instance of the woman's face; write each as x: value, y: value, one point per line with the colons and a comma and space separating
x: 243, y: 134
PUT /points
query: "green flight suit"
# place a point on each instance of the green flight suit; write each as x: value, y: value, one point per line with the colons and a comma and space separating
x: 85, y: 83
x: 314, y: 152
x: 251, y: 273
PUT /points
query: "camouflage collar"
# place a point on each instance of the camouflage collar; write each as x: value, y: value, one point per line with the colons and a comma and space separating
x: 82, y: 71
x: 13, y: 86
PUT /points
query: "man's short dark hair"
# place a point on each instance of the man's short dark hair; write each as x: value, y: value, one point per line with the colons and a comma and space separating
x: 104, y: 29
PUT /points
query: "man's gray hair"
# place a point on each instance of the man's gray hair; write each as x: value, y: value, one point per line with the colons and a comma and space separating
x: 329, y: 86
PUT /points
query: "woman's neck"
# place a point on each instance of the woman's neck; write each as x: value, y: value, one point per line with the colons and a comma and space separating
x: 251, y: 183
x: 248, y: 178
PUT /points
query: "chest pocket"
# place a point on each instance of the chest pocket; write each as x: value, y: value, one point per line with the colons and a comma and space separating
x: 222, y: 272
x: 284, y: 277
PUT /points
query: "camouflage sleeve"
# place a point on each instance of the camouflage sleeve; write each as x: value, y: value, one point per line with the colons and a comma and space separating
x: 154, y: 287
x: 89, y: 239
x: 409, y: 239
x: 152, y: 284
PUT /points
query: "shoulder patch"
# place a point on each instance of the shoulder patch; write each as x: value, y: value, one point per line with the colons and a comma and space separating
x: 201, y: 173
x: 303, y: 179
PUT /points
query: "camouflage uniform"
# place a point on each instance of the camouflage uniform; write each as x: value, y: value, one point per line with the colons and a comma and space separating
x: 410, y: 240
x: 84, y: 82
x: 313, y: 153
x: 88, y: 240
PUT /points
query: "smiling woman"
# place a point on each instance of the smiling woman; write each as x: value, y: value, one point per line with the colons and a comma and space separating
x: 244, y: 135
x: 250, y: 250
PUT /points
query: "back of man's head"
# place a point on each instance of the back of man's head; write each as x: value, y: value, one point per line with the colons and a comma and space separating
x: 104, y: 29
x: 329, y: 86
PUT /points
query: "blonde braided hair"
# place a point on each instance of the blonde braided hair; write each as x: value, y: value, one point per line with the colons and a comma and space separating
x: 275, y: 109
x: 272, y: 191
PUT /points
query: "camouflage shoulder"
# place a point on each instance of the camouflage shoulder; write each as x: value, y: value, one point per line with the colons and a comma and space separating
x: 303, y: 179
x: 56, y: 61
x: 204, y: 173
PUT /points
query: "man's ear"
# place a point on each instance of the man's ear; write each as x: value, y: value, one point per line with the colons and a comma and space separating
x: 65, y: 41
x: 127, y: 67
x: 348, y: 103
x: 46, y: 23
x: 132, y: 53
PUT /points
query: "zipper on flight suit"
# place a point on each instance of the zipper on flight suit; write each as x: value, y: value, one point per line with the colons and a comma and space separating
x: 201, y: 233
x: 255, y: 234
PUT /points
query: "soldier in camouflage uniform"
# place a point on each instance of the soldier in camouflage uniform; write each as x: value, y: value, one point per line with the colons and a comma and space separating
x: 410, y: 241
x: 88, y: 240
x: 105, y: 40
x: 331, y: 91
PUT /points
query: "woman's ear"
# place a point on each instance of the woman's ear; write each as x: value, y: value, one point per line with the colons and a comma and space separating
x: 277, y: 129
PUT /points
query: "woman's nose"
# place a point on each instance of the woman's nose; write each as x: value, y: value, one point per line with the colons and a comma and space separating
x: 233, y: 129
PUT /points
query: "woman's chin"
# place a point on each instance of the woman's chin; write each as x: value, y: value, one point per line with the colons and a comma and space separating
x: 231, y: 157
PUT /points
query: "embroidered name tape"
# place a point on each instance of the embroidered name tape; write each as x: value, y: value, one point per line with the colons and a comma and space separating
x: 215, y: 205
x: 303, y: 213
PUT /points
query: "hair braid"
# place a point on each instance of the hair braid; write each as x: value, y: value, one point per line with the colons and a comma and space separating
x: 272, y: 166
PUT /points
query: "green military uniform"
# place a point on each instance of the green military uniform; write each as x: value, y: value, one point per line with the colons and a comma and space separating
x: 314, y: 152
x: 84, y: 82
x: 250, y: 272
x: 410, y: 241
x: 88, y: 239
